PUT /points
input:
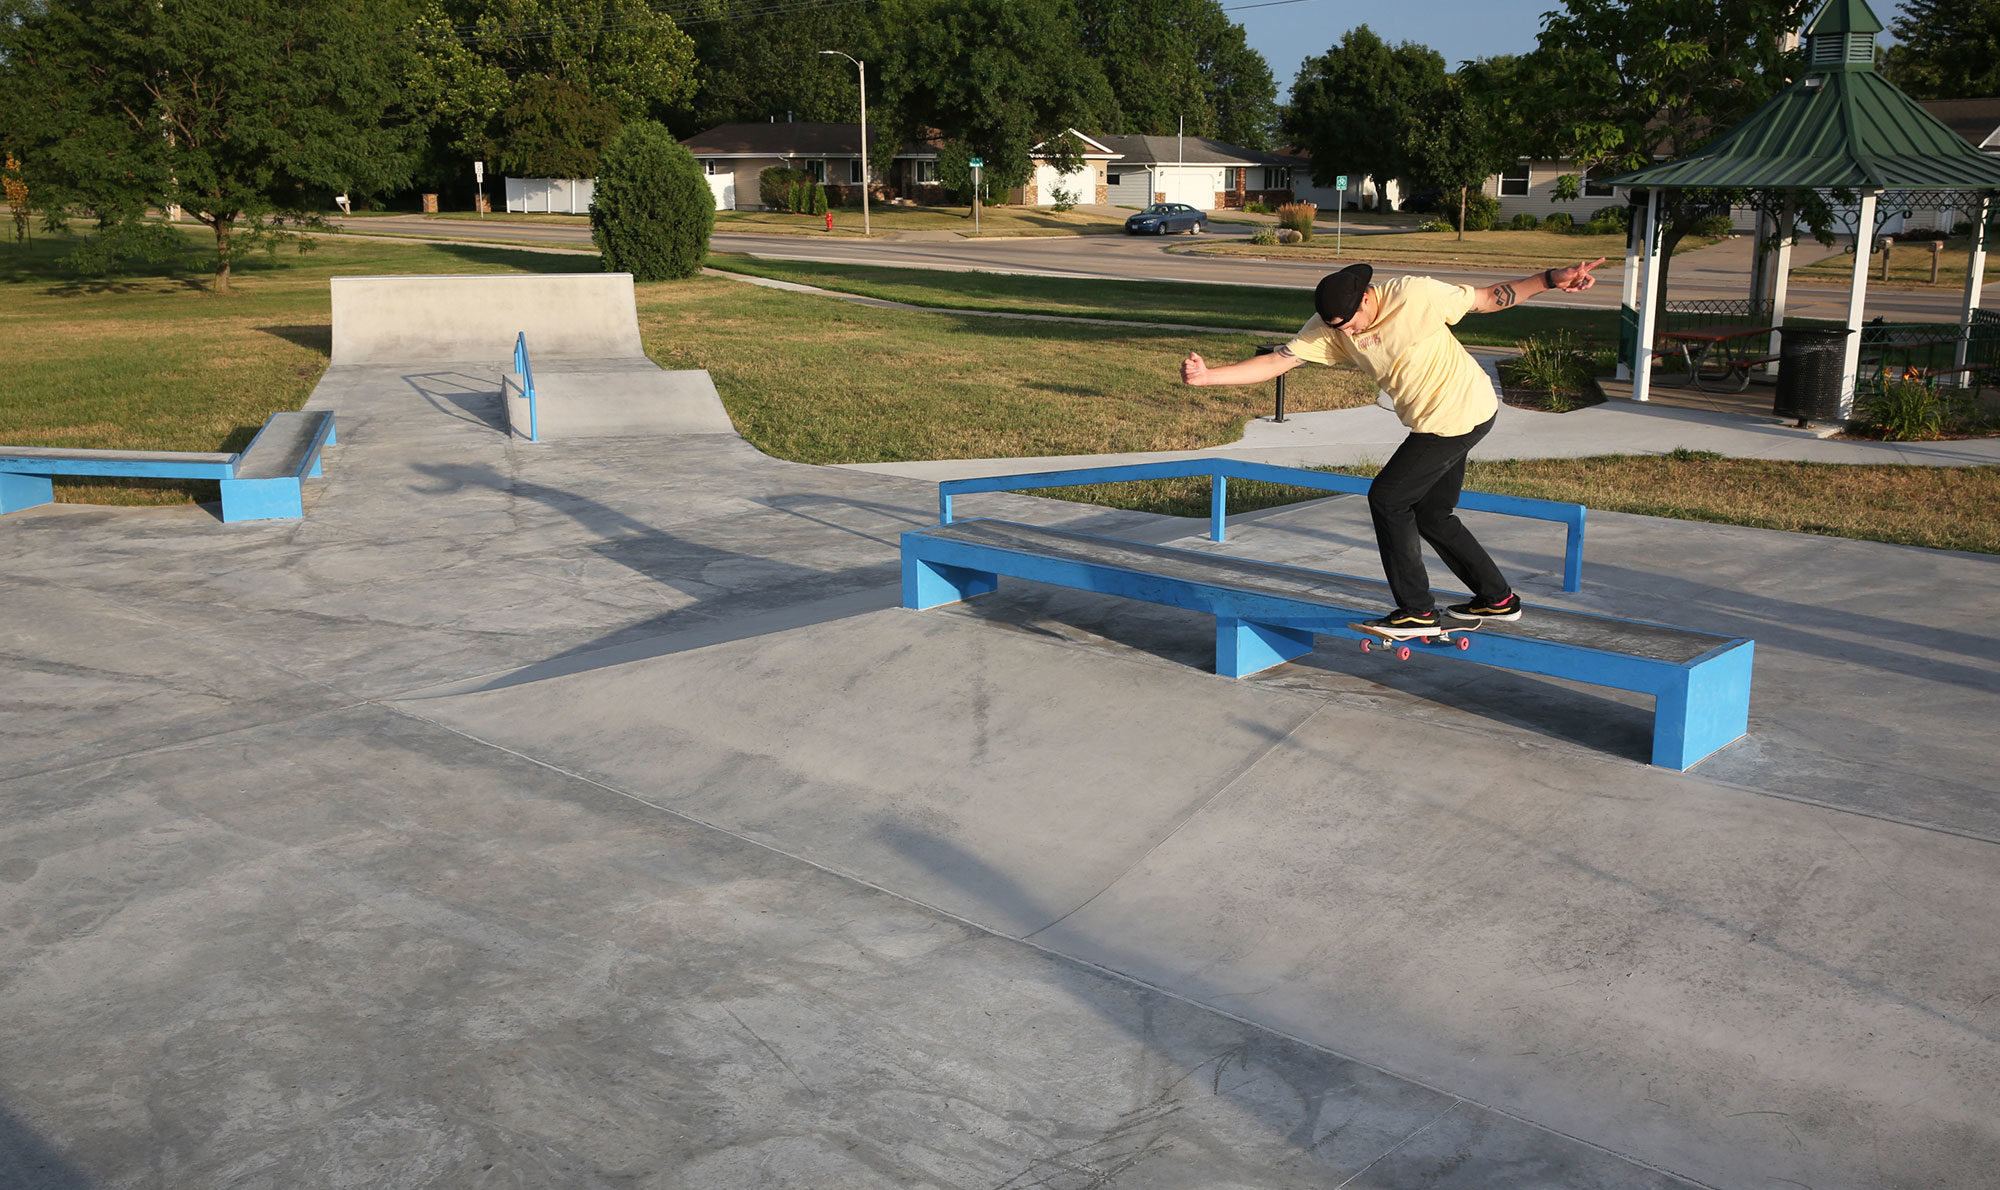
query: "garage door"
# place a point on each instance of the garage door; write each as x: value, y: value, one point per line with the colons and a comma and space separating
x: 1195, y: 187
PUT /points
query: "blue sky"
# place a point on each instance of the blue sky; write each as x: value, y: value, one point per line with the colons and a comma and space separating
x: 1287, y: 34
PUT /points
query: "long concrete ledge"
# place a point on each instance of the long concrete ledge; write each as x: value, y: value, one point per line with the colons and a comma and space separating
x: 394, y: 320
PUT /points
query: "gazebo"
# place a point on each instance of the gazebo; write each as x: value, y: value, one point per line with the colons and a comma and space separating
x: 1840, y: 127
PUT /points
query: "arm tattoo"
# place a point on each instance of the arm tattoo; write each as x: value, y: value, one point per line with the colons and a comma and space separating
x: 1285, y: 349
x: 1503, y: 296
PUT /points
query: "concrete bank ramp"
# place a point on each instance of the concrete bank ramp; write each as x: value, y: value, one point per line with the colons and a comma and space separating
x: 424, y: 320
x: 592, y: 377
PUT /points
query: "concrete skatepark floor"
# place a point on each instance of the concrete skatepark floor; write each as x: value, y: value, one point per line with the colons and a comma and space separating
x: 588, y: 814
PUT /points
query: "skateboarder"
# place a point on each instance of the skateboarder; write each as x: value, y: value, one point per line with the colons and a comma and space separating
x: 1398, y: 334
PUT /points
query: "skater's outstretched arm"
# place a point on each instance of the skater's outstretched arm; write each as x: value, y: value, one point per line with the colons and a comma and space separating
x: 1574, y: 279
x: 1255, y: 370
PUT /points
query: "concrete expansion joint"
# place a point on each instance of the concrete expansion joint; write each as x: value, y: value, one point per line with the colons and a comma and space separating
x: 1457, y: 1101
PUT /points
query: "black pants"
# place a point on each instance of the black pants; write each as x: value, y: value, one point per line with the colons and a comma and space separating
x: 1412, y: 501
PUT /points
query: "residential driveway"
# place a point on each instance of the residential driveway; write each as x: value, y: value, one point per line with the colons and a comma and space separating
x: 589, y: 814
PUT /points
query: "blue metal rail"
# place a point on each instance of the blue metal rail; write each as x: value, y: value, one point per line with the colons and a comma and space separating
x: 1221, y: 471
x: 527, y: 372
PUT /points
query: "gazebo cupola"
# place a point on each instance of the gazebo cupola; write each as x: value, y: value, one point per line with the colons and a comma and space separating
x: 1841, y: 38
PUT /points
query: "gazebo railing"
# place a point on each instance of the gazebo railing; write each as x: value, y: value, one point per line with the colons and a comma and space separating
x: 1682, y: 314
x: 1934, y: 353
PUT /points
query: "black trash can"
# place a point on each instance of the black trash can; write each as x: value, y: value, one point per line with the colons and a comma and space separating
x: 1809, y: 373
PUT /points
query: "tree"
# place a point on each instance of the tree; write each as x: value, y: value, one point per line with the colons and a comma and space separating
x: 1172, y: 60
x: 237, y: 111
x: 753, y: 67
x: 1358, y: 107
x: 1950, y: 49
x: 554, y: 129
x: 653, y: 213
x: 998, y: 76
x: 483, y: 64
x: 1454, y: 148
x: 1655, y: 79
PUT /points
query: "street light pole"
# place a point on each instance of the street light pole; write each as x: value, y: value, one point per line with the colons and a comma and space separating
x: 862, y: 67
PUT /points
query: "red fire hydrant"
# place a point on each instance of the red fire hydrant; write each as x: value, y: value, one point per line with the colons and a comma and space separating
x: 829, y: 220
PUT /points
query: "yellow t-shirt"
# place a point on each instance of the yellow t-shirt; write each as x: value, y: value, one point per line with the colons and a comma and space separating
x: 1409, y: 352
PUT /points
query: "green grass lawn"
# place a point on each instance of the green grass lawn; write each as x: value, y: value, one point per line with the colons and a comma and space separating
x: 156, y: 361
x: 1909, y: 267
x: 1278, y: 311
x: 1528, y: 251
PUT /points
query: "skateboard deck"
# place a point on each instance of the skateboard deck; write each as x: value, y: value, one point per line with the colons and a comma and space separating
x: 1400, y: 645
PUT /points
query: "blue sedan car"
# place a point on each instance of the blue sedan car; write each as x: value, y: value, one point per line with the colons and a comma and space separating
x: 1163, y: 217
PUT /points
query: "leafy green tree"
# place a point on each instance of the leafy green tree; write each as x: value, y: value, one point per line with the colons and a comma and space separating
x: 1172, y: 60
x: 1000, y: 76
x: 554, y: 129
x: 1949, y: 49
x: 1670, y: 77
x: 1359, y: 107
x: 653, y: 213
x: 1454, y: 148
x: 480, y: 60
x: 238, y: 111
x: 754, y: 66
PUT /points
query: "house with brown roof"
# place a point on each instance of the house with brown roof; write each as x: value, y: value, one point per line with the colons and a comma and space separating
x: 734, y: 155
x: 1977, y: 120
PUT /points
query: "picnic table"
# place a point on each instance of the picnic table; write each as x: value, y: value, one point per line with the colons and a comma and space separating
x: 1720, y: 353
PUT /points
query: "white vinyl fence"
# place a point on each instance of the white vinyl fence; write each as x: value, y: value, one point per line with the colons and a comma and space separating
x: 564, y: 196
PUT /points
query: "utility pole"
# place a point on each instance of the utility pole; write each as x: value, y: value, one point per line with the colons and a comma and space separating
x: 862, y: 67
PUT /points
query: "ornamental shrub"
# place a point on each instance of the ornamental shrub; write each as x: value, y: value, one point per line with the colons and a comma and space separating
x: 653, y: 212
x: 774, y: 187
x: 1523, y: 222
x: 1482, y: 211
x: 1559, y: 222
x: 1437, y: 225
x: 1299, y: 217
x: 1715, y: 225
x: 818, y: 200
x: 1607, y: 219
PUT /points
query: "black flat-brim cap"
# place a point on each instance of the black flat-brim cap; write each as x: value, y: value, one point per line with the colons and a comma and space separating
x: 1339, y: 294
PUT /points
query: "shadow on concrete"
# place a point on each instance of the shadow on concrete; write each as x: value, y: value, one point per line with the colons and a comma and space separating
x: 466, y: 398
x: 735, y: 595
x: 28, y: 1162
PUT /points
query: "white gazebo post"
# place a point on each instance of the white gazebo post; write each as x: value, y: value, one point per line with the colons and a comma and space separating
x: 1628, y: 293
x: 1642, y: 355
x: 1857, y: 293
x: 1781, y: 272
x: 1975, y: 273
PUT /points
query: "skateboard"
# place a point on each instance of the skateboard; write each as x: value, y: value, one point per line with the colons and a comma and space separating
x: 1400, y: 645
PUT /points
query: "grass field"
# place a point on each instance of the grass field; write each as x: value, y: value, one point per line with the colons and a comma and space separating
x: 158, y: 362
x: 1278, y: 311
x: 1528, y: 251
x: 1909, y: 266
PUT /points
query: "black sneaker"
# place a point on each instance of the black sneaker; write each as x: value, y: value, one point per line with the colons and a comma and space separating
x: 1403, y: 624
x: 1500, y: 609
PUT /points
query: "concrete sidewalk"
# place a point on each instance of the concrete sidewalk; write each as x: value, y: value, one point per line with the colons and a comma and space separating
x: 588, y: 814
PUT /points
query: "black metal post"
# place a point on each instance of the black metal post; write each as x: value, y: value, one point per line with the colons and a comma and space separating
x: 1266, y: 349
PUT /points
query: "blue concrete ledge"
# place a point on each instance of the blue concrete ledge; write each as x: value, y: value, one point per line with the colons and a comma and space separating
x: 1266, y: 614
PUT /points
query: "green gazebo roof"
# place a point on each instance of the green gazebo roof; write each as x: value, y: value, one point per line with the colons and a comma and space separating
x: 1841, y: 125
